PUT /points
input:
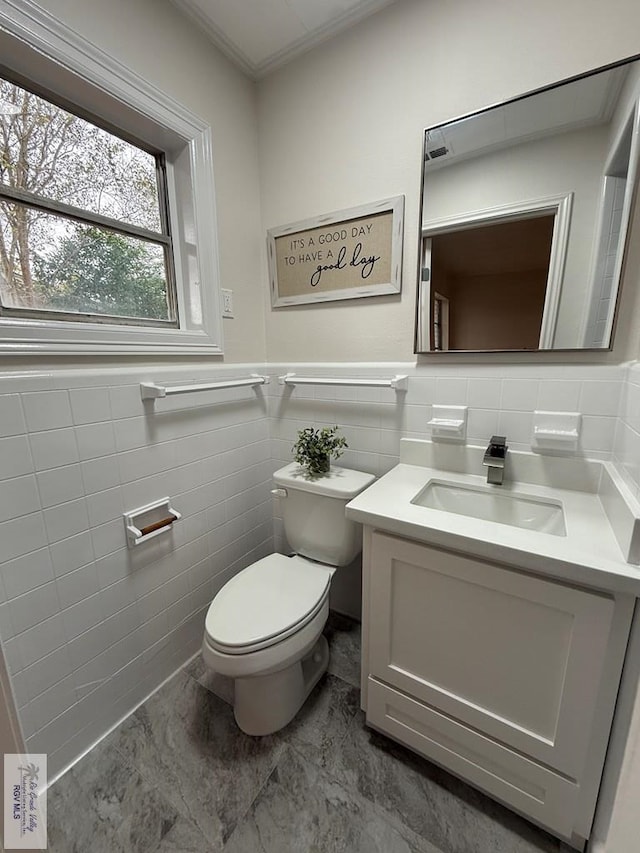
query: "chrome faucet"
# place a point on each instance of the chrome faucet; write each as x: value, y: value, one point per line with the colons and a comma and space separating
x: 494, y: 459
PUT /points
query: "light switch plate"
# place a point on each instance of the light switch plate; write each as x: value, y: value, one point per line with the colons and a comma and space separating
x: 227, y: 303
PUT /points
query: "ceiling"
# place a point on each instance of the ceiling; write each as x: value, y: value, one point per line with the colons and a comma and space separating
x: 262, y: 35
x: 581, y: 103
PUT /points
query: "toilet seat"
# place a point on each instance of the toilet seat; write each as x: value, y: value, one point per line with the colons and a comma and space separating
x: 266, y: 603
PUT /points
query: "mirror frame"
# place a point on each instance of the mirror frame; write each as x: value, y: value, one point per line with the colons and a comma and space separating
x: 625, y: 247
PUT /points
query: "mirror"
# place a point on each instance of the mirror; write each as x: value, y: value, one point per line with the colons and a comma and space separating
x: 525, y: 214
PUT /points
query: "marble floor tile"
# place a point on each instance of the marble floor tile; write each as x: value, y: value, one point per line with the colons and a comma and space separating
x: 102, y: 805
x: 221, y: 685
x: 452, y: 815
x: 185, y: 741
x: 196, y: 668
x: 343, y: 635
x: 178, y: 776
x: 301, y: 809
x: 321, y: 725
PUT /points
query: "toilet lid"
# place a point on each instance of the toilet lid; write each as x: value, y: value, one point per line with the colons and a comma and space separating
x: 266, y: 602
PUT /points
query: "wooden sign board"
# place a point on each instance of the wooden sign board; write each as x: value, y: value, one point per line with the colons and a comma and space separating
x: 343, y: 255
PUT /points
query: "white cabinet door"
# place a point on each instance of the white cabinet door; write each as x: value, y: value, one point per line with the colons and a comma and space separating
x: 527, y: 786
x: 512, y: 655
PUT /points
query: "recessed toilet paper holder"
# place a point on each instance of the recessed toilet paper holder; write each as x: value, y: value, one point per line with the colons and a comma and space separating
x: 149, y: 521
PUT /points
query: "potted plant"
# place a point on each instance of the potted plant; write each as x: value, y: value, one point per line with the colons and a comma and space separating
x: 315, y: 447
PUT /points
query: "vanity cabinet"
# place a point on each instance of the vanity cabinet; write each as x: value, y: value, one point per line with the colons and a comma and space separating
x: 507, y: 678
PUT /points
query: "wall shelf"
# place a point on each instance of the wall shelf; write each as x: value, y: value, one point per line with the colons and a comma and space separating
x: 448, y: 422
x: 556, y: 430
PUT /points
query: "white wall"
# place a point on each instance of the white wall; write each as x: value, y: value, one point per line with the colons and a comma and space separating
x: 624, y: 108
x: 343, y: 126
x: 555, y: 166
x: 612, y: 216
x: 88, y: 626
x: 153, y: 39
x: 607, y: 245
x: 374, y: 419
x: 627, y: 441
x: 340, y: 127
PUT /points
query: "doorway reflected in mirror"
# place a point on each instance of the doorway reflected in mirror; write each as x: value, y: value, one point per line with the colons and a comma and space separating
x: 488, y: 285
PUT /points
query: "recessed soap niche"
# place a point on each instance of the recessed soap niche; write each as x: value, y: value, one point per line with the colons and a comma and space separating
x: 448, y: 422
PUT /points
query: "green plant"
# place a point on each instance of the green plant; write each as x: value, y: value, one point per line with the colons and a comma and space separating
x: 315, y: 447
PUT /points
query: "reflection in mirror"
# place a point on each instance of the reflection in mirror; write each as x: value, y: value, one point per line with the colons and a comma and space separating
x: 525, y: 214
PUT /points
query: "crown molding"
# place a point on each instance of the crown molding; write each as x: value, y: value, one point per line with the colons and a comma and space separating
x: 257, y: 70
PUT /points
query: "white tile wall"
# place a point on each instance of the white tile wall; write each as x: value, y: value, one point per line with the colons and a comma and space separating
x: 89, y: 627
x: 501, y: 399
x: 627, y: 443
x: 614, y: 196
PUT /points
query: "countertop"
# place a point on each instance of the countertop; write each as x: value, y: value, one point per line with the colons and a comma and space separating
x: 588, y: 555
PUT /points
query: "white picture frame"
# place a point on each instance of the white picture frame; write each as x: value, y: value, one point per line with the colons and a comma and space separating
x: 348, y: 254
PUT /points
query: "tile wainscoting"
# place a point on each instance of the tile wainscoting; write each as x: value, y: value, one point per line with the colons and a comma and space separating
x: 501, y: 400
x: 627, y: 443
x: 90, y: 628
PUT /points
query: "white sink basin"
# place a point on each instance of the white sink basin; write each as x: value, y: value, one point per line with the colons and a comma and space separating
x: 569, y: 517
x: 490, y: 504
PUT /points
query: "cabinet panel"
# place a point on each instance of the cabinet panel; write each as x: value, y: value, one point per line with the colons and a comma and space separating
x: 515, y: 656
x: 515, y: 780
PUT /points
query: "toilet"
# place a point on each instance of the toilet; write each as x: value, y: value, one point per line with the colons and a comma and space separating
x: 264, y: 627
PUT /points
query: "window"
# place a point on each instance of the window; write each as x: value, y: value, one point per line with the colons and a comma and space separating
x: 107, y: 215
x: 83, y: 218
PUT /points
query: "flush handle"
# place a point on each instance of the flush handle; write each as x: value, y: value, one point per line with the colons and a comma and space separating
x: 279, y: 493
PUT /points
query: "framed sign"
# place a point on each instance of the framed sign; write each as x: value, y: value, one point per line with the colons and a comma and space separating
x: 342, y: 255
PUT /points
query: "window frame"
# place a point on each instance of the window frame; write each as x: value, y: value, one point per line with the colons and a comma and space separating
x: 80, y: 77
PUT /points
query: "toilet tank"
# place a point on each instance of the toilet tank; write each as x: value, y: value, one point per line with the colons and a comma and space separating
x: 313, y: 512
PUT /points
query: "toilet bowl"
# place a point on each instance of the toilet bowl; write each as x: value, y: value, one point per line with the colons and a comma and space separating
x: 264, y: 627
